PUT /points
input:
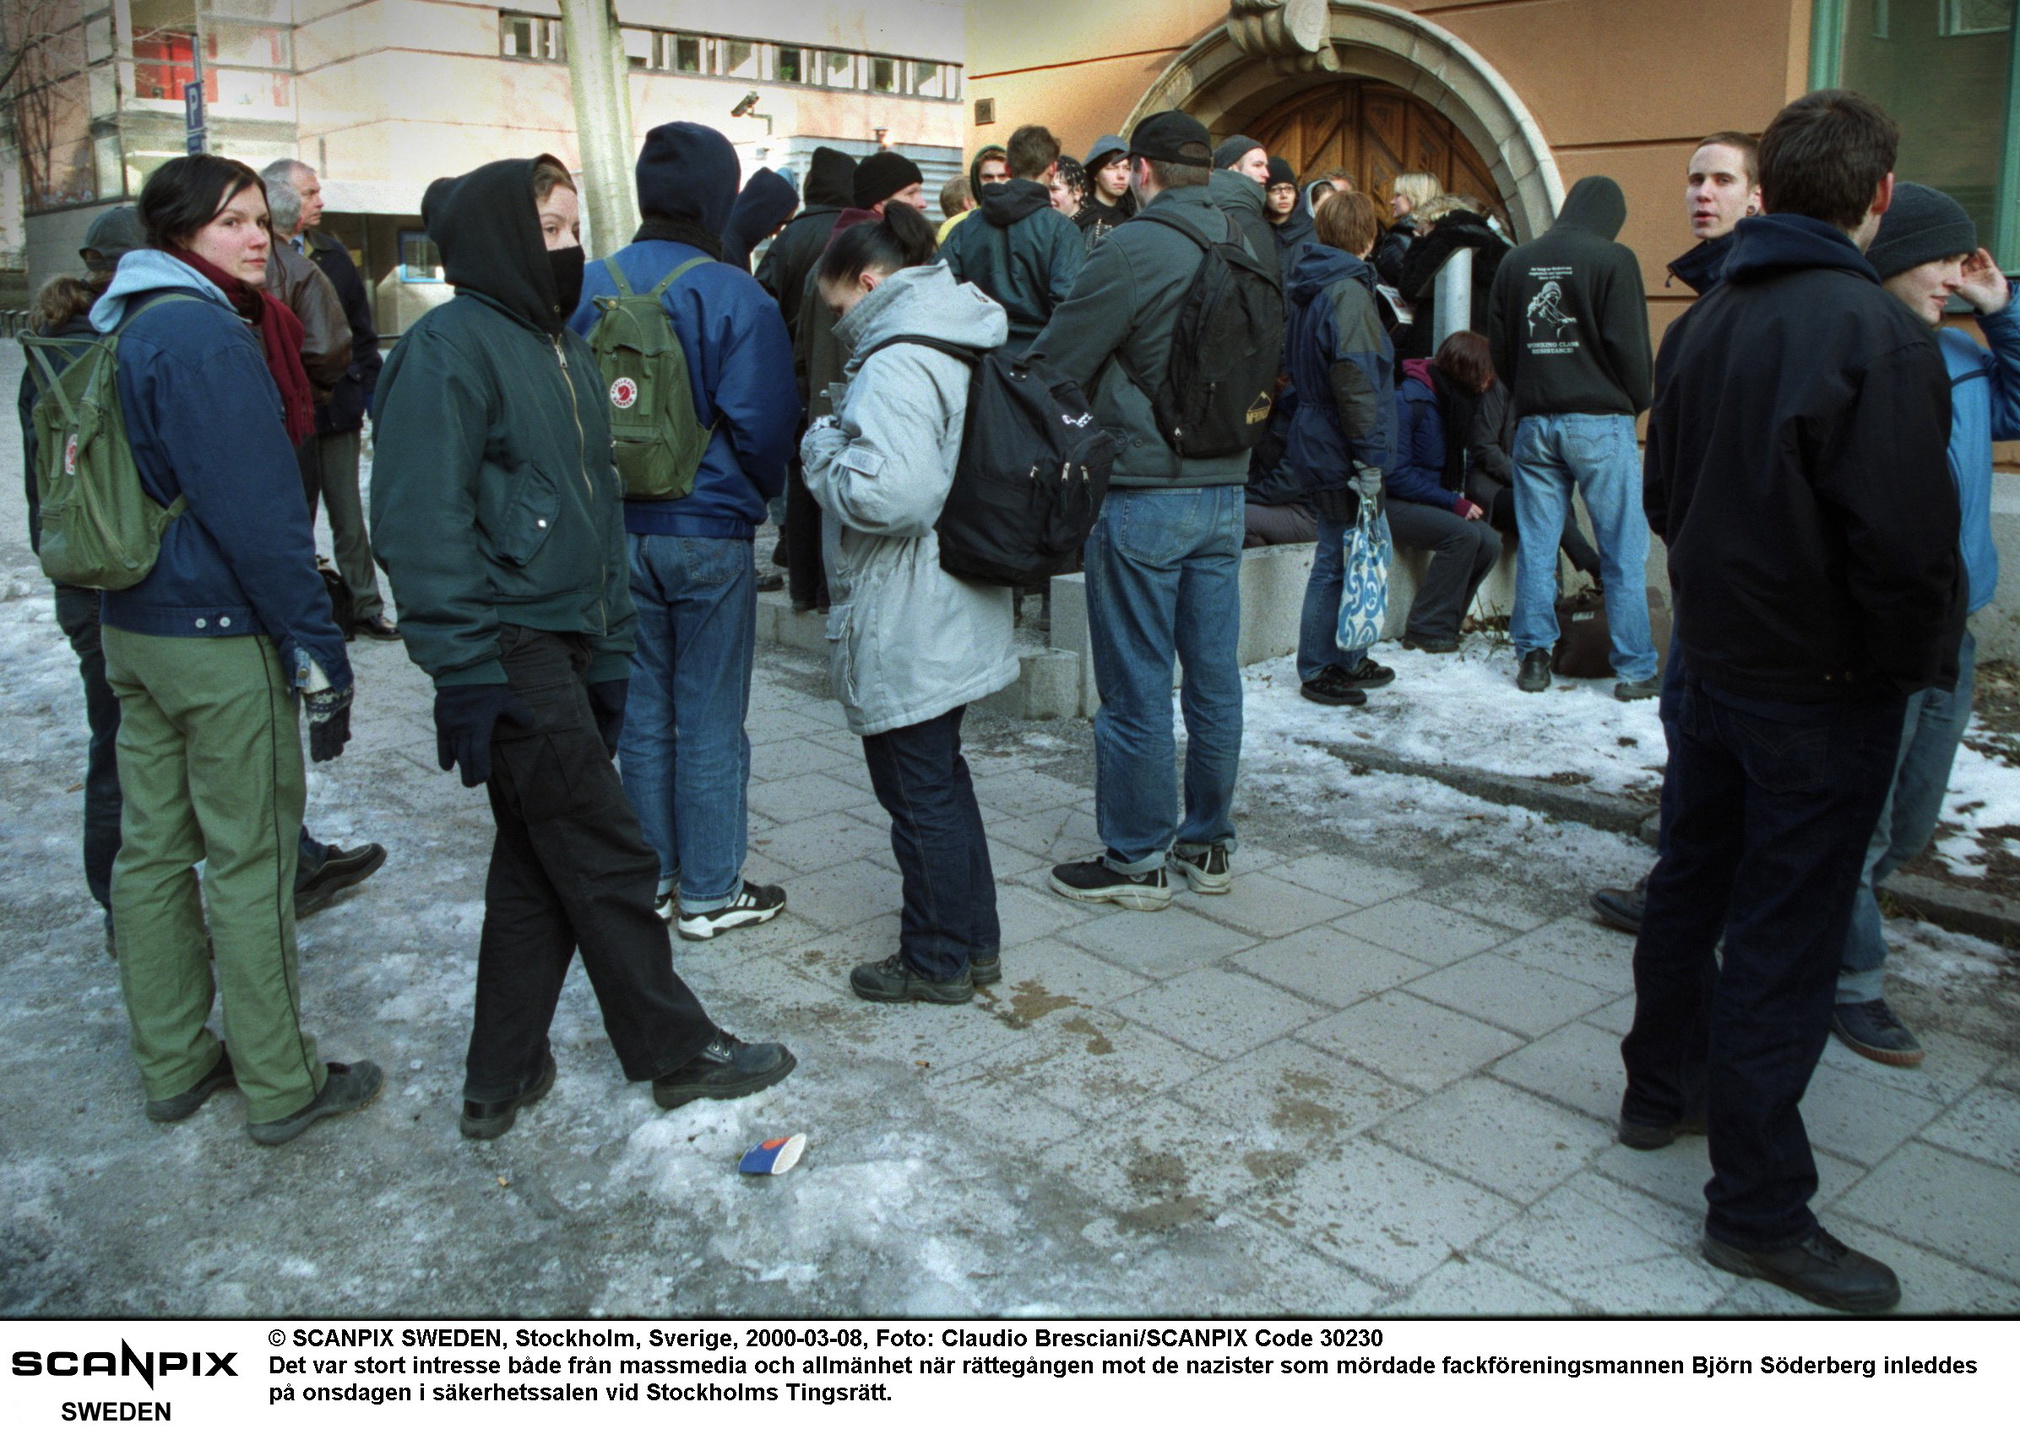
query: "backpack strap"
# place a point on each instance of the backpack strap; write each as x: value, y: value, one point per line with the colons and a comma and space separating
x: 962, y: 353
x: 37, y: 348
x: 678, y: 271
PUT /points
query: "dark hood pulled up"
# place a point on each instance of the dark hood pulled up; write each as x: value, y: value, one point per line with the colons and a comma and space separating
x: 1004, y: 205
x: 688, y: 172
x: 766, y: 202
x: 488, y: 230
x: 1770, y: 245
x: 1596, y: 206
x: 831, y: 179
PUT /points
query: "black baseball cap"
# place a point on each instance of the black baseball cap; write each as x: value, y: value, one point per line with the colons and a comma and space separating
x: 1173, y: 136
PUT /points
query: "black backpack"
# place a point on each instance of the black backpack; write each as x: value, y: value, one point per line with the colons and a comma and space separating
x: 1032, y: 475
x: 1225, y: 350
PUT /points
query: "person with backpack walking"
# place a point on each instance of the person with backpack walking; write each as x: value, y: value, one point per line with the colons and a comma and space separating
x: 1020, y: 251
x: 911, y: 644
x: 213, y: 654
x: 1164, y: 558
x: 713, y: 385
x: 496, y: 513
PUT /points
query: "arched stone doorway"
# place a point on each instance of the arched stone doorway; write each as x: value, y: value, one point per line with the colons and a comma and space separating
x: 1242, y: 75
x: 1376, y: 132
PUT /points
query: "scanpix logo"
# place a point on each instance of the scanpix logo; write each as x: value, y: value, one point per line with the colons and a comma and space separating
x: 66, y: 1364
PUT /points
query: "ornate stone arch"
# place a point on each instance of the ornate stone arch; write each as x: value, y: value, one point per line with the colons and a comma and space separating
x: 1269, y: 50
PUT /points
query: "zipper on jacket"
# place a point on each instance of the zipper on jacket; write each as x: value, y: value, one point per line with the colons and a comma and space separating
x: 582, y: 467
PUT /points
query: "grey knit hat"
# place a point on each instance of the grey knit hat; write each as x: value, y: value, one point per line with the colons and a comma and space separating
x: 1921, y: 225
x: 1232, y: 149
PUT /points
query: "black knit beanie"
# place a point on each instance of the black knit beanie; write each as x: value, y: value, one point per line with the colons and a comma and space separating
x: 883, y: 175
x: 1921, y: 225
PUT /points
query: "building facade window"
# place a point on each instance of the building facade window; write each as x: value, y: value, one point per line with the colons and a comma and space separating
x: 728, y: 57
x: 420, y: 261
x: 1976, y: 17
x: 531, y: 37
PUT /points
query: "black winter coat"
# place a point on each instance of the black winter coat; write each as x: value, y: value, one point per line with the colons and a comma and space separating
x: 1460, y: 230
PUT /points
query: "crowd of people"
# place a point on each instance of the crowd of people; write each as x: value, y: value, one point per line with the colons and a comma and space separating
x: 573, y: 461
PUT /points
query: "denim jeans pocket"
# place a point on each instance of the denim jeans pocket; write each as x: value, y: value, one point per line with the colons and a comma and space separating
x: 1157, y: 529
x: 1783, y: 759
x: 1591, y: 443
x: 708, y: 564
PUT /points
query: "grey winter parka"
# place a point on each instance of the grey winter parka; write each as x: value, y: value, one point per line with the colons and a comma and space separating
x: 907, y: 641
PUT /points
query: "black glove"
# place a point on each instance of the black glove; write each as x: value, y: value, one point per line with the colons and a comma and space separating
x: 329, y: 722
x: 465, y: 716
x: 606, y: 701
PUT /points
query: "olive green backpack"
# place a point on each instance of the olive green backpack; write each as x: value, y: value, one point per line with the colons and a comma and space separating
x: 100, y: 528
x: 656, y: 438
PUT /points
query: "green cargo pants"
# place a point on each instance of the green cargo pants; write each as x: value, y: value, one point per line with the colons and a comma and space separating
x: 210, y: 765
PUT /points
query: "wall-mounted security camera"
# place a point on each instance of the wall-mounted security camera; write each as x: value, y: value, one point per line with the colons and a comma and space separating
x: 744, y: 106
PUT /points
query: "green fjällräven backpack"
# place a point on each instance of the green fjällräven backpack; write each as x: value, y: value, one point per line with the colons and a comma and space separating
x: 655, y: 436
x: 100, y: 528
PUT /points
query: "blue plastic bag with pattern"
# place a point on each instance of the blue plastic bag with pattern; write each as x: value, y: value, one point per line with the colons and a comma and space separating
x: 1364, y: 588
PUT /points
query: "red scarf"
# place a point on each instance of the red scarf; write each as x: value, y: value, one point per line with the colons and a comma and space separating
x: 280, y: 334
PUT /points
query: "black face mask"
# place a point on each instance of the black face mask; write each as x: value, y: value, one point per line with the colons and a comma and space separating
x: 566, y: 267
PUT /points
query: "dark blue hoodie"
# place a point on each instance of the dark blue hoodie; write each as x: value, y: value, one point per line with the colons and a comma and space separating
x: 738, y: 355
x: 1342, y: 366
x: 1702, y: 267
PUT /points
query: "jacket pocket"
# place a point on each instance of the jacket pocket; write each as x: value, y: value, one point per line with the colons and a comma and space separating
x: 843, y: 636
x: 527, y: 518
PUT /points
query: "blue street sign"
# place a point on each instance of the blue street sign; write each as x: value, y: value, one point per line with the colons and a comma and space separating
x: 193, y: 116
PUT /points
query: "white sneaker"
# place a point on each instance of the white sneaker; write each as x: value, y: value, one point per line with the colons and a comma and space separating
x: 754, y: 905
x: 666, y: 905
x: 1207, y: 872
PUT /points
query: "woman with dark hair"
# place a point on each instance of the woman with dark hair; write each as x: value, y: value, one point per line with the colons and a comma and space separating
x: 212, y: 655
x: 1069, y: 188
x: 1428, y: 509
x: 1108, y: 201
x: 911, y: 646
x: 496, y: 512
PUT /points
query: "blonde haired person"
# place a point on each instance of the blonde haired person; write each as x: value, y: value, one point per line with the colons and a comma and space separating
x: 1408, y: 192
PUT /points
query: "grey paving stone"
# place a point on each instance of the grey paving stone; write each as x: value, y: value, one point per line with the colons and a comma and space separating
x: 1616, y: 1018
x: 768, y: 723
x: 1588, y: 1223
x: 1157, y: 943
x: 815, y: 844
x: 1422, y: 931
x: 1026, y: 793
x: 1578, y: 1066
x: 1160, y: 1166
x: 1984, y: 1125
x: 1012, y: 1117
x: 1669, y: 1285
x: 1677, y: 1175
x: 1962, y: 1208
x: 1392, y: 1218
x: 1355, y: 881
x: 2007, y: 1075
x: 1058, y: 834
x: 925, y: 1038
x: 1262, y: 905
x: 1221, y: 1012
x: 1095, y: 1064
x: 1328, y: 966
x: 1852, y: 1114
x: 1048, y: 978
x: 1953, y: 1069
x: 1410, y: 1040
x: 1468, y: 1285
x: 783, y: 759
x: 1578, y: 949
x: 804, y: 797
x: 1497, y: 898
x: 1508, y: 993
x: 844, y: 895
x: 1497, y: 1136
x: 1027, y: 915
x: 1298, y: 1100
x: 1284, y: 1277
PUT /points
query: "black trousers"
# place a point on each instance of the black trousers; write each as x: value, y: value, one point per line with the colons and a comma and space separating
x: 806, y: 579
x: 77, y: 614
x: 1462, y: 552
x: 570, y: 870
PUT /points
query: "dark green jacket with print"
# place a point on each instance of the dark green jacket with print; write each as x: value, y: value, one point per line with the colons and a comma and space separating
x: 494, y: 499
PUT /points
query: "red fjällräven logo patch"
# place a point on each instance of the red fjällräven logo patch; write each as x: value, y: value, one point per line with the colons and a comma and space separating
x: 70, y: 457
x: 624, y: 392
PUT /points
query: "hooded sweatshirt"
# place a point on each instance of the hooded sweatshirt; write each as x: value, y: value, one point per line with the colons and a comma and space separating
x: 766, y: 202
x: 1245, y: 202
x: 1796, y: 469
x: 739, y: 358
x: 910, y: 641
x: 1292, y: 233
x: 1342, y: 366
x: 1702, y: 266
x: 1024, y: 255
x: 1568, y: 319
x: 204, y: 421
x: 830, y: 188
x: 494, y: 500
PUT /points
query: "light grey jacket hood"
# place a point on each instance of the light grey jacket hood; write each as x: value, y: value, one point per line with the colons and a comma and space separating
x: 909, y: 642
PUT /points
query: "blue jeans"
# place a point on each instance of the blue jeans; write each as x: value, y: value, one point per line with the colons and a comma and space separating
x: 1771, y: 804
x: 1319, y: 626
x: 1597, y: 454
x: 685, y: 756
x: 923, y: 784
x: 1935, y: 724
x: 1164, y: 584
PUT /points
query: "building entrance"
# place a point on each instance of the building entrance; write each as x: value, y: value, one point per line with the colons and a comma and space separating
x: 1376, y: 132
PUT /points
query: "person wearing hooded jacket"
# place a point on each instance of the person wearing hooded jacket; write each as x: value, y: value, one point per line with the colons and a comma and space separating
x: 211, y: 655
x: 1235, y: 187
x: 1428, y: 508
x: 1289, y: 216
x: 1568, y: 327
x: 686, y: 757
x: 912, y: 646
x: 763, y: 206
x: 496, y: 513
x: 1019, y: 250
x: 1109, y: 201
x: 828, y: 192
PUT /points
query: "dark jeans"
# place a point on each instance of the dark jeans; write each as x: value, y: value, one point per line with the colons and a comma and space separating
x: 806, y: 579
x: 569, y: 868
x: 1462, y: 552
x: 77, y: 613
x: 1277, y: 525
x: 1577, y: 549
x: 936, y: 833
x: 1771, y: 806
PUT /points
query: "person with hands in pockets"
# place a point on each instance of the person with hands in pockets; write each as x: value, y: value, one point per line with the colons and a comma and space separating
x: 911, y: 645
x: 496, y: 514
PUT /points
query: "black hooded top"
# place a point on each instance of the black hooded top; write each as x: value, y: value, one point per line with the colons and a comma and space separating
x: 1459, y: 230
x: 766, y: 202
x: 1568, y: 318
x: 830, y: 189
x: 488, y: 230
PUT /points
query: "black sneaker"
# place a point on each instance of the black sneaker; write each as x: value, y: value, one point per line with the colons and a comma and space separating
x: 1367, y: 675
x: 1638, y: 689
x: 488, y: 1119
x: 340, y: 870
x: 1332, y: 687
x: 1636, y: 1135
x: 1622, y: 909
x: 1534, y: 676
x: 754, y: 905
x: 181, y: 1107
x: 986, y: 969
x: 725, y: 1069
x: 1823, y: 1270
x: 1440, y: 646
x: 1872, y: 1029
x: 1206, y: 872
x: 378, y: 628
x: 892, y: 979
x: 1094, y: 882
x: 347, y: 1088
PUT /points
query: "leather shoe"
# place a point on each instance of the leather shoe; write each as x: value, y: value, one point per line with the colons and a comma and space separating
x: 181, y: 1107
x: 488, y: 1119
x: 1534, y: 676
x: 1638, y: 1136
x: 340, y: 870
x: 1822, y: 1269
x: 1622, y: 909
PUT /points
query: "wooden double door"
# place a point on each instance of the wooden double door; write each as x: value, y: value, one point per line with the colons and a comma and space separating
x: 1376, y: 132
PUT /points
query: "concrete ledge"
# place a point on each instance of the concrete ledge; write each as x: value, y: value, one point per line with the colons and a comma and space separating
x: 1560, y: 802
x: 1955, y: 907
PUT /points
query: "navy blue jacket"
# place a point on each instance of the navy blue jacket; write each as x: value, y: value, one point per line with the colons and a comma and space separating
x: 740, y: 362
x: 1342, y: 365
x: 1418, y: 471
x: 205, y: 422
x: 1702, y: 267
